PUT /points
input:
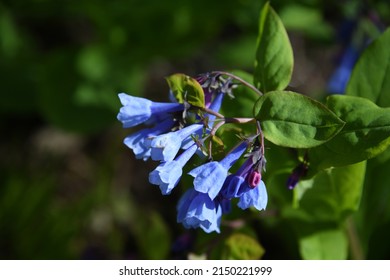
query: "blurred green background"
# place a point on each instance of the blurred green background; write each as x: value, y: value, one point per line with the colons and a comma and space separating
x: 69, y: 188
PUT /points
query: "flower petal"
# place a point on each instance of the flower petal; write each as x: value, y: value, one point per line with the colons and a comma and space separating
x: 166, y: 176
x: 198, y: 210
x: 209, y: 178
x: 135, y: 110
x: 256, y: 197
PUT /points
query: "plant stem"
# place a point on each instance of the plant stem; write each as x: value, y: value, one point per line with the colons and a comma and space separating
x: 211, y: 112
x: 240, y: 80
x: 354, y: 242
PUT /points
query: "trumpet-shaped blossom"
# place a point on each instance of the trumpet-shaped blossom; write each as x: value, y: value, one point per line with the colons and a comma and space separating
x: 236, y: 183
x: 168, y: 174
x: 196, y: 209
x: 246, y: 184
x: 215, y: 106
x: 138, y: 110
x: 209, y: 177
x: 166, y: 146
x: 256, y: 197
x: 138, y: 140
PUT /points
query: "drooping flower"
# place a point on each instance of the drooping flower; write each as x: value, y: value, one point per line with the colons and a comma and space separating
x: 256, y: 197
x: 166, y: 146
x: 168, y: 174
x: 196, y: 209
x: 138, y: 140
x: 298, y: 172
x: 138, y: 110
x: 209, y: 177
x: 235, y: 184
x: 246, y: 184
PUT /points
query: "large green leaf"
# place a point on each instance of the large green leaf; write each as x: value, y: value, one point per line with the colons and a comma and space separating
x: 332, y: 194
x: 370, y: 77
x: 293, y: 120
x: 365, y: 134
x: 274, y: 56
x: 186, y: 88
x: 324, y: 245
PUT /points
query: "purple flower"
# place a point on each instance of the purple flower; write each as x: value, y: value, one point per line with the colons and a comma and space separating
x: 196, y: 209
x: 298, y: 172
x: 137, y: 110
x: 209, y: 177
x: 168, y: 174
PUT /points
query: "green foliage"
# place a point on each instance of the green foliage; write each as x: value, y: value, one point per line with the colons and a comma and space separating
x: 274, y: 57
x: 185, y: 88
x: 365, y: 135
x: 332, y: 194
x: 324, y: 245
x: 293, y: 120
x: 370, y: 77
x: 240, y: 246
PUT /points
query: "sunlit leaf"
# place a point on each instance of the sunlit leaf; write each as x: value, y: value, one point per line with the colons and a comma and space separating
x: 332, y: 194
x: 186, y: 88
x: 324, y: 245
x: 274, y: 57
x: 365, y: 134
x: 293, y: 120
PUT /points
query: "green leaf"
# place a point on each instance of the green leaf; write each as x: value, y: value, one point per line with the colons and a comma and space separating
x: 332, y: 194
x: 370, y: 77
x: 324, y: 245
x: 293, y: 120
x: 274, y: 57
x: 186, y: 88
x: 365, y: 134
x: 240, y: 246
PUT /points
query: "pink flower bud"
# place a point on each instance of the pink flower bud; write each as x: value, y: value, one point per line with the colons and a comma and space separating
x: 254, y: 179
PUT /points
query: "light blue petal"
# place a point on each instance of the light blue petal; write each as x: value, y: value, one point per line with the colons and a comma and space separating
x: 234, y: 155
x: 135, y: 142
x: 232, y: 186
x: 209, y: 178
x: 166, y: 176
x: 139, y: 141
x: 256, y: 197
x: 165, y: 147
x: 198, y: 210
x: 135, y: 110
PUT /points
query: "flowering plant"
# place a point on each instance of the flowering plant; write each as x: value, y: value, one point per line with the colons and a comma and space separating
x: 312, y: 147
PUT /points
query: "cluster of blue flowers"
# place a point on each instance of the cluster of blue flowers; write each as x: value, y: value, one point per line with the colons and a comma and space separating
x: 168, y: 137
